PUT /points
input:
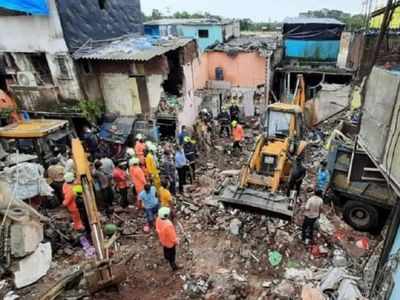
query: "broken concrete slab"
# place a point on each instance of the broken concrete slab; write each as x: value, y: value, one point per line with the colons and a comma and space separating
x: 234, y: 226
x: 283, y: 237
x: 33, y: 267
x: 310, y: 293
x: 298, y: 274
x: 25, y: 237
x: 285, y: 289
x: 230, y: 173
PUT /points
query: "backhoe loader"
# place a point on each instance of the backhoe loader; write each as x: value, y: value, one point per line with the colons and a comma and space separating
x: 270, y: 164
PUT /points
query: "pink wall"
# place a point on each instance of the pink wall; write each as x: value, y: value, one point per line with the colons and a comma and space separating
x: 200, y: 71
x: 243, y: 69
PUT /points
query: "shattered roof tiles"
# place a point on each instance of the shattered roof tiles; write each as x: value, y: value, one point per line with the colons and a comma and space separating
x: 139, y: 48
x: 247, y: 44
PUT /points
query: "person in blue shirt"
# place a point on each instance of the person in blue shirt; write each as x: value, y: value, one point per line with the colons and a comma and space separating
x: 323, y: 178
x: 182, y: 135
x: 150, y: 203
x: 181, y: 163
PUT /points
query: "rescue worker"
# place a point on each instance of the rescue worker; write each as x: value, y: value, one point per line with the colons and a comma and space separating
x: 169, y: 171
x: 80, y: 203
x: 140, y: 148
x: 237, y: 135
x: 150, y: 203
x: 323, y: 178
x: 55, y: 175
x: 234, y: 112
x: 121, y: 182
x: 189, y: 149
x: 165, y: 195
x: 107, y: 166
x: 167, y: 236
x: 90, y: 141
x: 224, y: 119
x: 70, y: 201
x: 181, y: 164
x: 138, y: 178
x: 296, y: 177
x: 311, y: 215
x: 151, y: 165
x: 104, y: 187
x: 182, y: 134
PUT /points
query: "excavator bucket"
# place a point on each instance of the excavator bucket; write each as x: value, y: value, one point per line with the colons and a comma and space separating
x: 276, y: 204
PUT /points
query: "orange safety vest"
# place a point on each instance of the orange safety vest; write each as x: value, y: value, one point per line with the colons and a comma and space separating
x: 238, y: 133
x: 138, y: 178
x: 166, y: 233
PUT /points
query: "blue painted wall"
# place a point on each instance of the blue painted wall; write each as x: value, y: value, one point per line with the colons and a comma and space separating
x: 312, y: 49
x: 153, y: 30
x: 215, y: 34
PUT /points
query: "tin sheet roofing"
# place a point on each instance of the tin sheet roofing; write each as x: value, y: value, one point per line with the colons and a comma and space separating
x: 306, y: 20
x: 139, y: 48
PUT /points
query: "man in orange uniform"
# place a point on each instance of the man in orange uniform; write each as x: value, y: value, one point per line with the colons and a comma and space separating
x: 121, y: 182
x: 238, y: 135
x: 167, y: 236
x: 70, y: 201
x: 140, y: 148
x: 137, y: 177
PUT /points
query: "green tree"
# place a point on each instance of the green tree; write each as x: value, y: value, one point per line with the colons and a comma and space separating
x: 156, y: 14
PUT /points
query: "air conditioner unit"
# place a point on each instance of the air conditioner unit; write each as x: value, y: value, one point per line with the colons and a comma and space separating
x: 26, y: 79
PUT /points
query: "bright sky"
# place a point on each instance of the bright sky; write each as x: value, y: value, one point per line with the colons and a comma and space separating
x: 258, y: 10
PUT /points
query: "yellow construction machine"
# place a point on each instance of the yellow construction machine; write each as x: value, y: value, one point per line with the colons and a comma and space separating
x: 270, y: 165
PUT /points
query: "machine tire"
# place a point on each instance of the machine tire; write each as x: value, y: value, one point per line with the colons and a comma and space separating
x: 361, y: 216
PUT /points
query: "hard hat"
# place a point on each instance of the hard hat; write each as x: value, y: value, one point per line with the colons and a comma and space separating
x: 234, y: 123
x: 77, y: 189
x: 148, y: 144
x: 139, y: 136
x: 164, y: 212
x: 204, y: 110
x: 69, y: 177
x: 153, y: 148
x: 134, y: 161
x: 187, y: 139
x: 130, y: 152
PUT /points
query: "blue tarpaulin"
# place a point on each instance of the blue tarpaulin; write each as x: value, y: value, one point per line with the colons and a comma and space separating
x: 34, y: 7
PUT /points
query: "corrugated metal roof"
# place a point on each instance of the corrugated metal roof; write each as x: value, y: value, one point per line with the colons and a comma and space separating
x: 305, y: 20
x: 139, y: 48
x: 199, y: 22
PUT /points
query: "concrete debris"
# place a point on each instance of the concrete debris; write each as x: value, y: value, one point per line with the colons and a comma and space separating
x: 11, y: 296
x: 285, y: 289
x: 348, y: 290
x: 33, y: 267
x: 266, y: 284
x: 370, y: 270
x: 298, y: 274
x: 29, y: 178
x: 196, y: 285
x: 325, y: 225
x: 230, y: 173
x: 234, y: 226
x: 25, y: 237
x: 339, y: 259
x: 283, y: 237
x: 310, y: 293
x: 238, y: 277
x: 333, y: 277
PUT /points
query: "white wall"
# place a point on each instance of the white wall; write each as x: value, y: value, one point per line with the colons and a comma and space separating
x: 32, y: 33
x: 120, y: 93
x: 191, y: 103
x: 155, y: 90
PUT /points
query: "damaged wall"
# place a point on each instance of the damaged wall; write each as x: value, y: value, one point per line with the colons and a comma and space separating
x: 120, y: 93
x: 380, y: 132
x: 155, y: 89
x: 242, y: 69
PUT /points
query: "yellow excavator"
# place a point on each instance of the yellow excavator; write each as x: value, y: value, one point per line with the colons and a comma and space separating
x: 271, y: 162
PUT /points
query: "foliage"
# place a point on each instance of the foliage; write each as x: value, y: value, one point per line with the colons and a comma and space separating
x: 5, y: 113
x: 92, y: 110
x: 157, y: 15
x: 353, y: 22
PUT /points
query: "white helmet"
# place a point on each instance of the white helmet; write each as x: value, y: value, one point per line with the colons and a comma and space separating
x: 134, y: 161
x: 69, y: 177
x: 130, y: 152
x: 139, y: 136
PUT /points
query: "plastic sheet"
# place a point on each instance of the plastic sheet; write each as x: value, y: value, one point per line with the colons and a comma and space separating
x: 34, y: 7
